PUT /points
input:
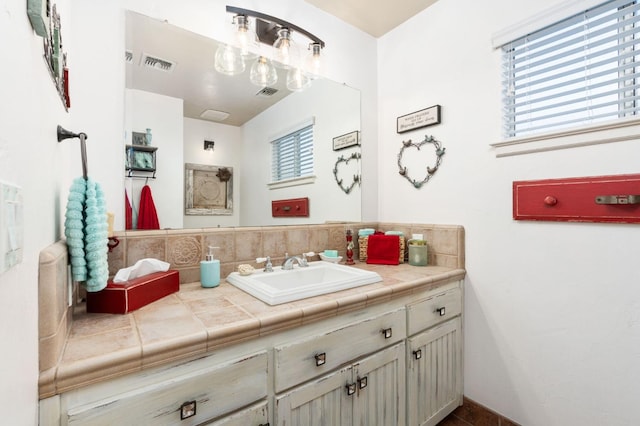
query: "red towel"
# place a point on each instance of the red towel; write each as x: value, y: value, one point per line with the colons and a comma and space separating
x: 147, y: 216
x: 383, y: 249
x: 128, y: 212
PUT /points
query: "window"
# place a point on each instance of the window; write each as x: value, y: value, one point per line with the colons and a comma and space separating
x: 580, y: 71
x: 292, y: 155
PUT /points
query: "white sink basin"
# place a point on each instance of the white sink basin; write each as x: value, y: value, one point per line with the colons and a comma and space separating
x: 318, y: 278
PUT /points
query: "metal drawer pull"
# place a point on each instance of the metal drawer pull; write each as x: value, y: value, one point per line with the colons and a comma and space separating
x: 441, y: 311
x: 417, y: 354
x: 351, y: 388
x: 618, y: 199
x: 187, y: 409
x: 321, y: 359
x: 387, y: 333
x: 362, y: 382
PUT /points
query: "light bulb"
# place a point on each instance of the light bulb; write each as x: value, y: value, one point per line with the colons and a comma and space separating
x: 285, y: 49
x: 228, y: 61
x: 263, y: 73
x: 313, y: 62
x: 297, y: 80
x: 246, y: 37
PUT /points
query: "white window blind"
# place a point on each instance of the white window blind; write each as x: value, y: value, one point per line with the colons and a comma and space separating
x: 581, y: 70
x: 292, y: 155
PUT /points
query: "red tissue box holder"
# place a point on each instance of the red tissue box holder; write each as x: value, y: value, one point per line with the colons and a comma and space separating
x: 131, y: 295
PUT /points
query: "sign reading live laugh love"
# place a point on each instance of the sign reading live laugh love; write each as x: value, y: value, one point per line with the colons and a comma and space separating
x: 416, y: 120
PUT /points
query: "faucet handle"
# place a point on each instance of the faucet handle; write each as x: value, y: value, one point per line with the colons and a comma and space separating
x: 304, y: 258
x: 268, y: 267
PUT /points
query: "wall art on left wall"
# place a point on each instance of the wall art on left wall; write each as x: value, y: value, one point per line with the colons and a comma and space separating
x: 45, y: 21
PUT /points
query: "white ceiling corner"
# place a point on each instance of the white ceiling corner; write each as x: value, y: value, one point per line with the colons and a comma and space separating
x: 375, y: 17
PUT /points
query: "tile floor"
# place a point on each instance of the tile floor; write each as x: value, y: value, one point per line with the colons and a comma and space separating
x: 474, y: 414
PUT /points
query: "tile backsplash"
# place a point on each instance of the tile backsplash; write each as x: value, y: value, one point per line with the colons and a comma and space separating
x: 185, y: 248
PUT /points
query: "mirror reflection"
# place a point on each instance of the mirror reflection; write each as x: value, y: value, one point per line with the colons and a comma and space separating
x: 174, y: 94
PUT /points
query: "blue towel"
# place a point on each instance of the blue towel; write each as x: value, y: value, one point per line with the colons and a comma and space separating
x: 364, y: 232
x: 86, y: 230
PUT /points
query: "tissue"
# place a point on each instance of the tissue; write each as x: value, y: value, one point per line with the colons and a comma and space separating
x: 142, y: 267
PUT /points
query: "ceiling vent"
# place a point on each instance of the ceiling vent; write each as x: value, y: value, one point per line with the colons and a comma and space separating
x: 157, y: 63
x: 267, y: 91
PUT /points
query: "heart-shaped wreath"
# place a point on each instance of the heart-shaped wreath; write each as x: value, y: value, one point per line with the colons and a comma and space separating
x: 430, y: 170
x: 356, y: 178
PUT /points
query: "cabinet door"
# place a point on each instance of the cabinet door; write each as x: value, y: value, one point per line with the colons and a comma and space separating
x: 322, y: 402
x: 256, y: 415
x: 380, y: 382
x: 434, y: 373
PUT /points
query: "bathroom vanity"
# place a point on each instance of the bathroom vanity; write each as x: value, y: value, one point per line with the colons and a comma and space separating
x: 388, y: 353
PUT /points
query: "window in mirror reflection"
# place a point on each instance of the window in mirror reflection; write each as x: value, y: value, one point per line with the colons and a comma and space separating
x: 292, y: 155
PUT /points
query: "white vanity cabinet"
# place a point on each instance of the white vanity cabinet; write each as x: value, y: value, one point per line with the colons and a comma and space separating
x: 393, y: 363
x: 434, y: 357
x: 187, y: 394
x: 368, y: 392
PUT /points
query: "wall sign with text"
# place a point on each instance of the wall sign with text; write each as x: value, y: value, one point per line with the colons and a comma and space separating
x: 416, y: 120
x: 345, y: 141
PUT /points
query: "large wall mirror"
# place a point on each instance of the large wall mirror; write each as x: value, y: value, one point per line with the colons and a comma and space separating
x: 173, y: 90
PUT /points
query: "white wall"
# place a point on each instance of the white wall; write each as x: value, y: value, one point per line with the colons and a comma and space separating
x: 552, y: 309
x: 163, y: 115
x: 327, y: 202
x: 31, y: 158
x: 227, y: 153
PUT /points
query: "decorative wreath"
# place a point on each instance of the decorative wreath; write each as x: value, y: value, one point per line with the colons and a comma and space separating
x: 430, y: 170
x: 356, y: 178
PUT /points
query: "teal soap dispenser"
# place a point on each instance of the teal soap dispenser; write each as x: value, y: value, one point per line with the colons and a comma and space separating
x: 210, y: 270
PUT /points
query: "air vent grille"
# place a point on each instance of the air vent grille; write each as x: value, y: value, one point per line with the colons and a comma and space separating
x: 157, y: 63
x: 267, y: 91
x: 128, y: 56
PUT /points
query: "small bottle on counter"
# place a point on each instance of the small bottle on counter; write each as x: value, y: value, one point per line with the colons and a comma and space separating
x: 418, y: 251
x: 210, y: 270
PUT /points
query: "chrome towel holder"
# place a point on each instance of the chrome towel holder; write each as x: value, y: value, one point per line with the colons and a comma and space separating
x: 66, y: 134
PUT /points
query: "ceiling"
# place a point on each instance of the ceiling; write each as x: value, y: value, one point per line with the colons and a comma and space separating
x: 376, y: 17
x: 193, y: 77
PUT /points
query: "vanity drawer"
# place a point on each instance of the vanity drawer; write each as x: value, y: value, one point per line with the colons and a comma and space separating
x: 319, y: 354
x: 216, y: 390
x: 434, y: 310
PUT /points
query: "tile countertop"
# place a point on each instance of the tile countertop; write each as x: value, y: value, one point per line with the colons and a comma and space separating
x: 198, y: 320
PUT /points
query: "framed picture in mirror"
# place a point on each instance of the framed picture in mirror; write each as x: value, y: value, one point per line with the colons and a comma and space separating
x: 208, y: 190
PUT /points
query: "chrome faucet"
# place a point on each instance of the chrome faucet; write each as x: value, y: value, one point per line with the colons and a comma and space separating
x: 287, y: 265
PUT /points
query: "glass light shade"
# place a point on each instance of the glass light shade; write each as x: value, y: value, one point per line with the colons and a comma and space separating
x: 228, y: 60
x: 313, y: 61
x: 286, y: 51
x: 263, y: 73
x: 245, y: 36
x: 297, y: 80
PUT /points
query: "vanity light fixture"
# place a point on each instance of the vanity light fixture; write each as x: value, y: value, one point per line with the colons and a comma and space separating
x: 274, y: 32
x: 208, y: 145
